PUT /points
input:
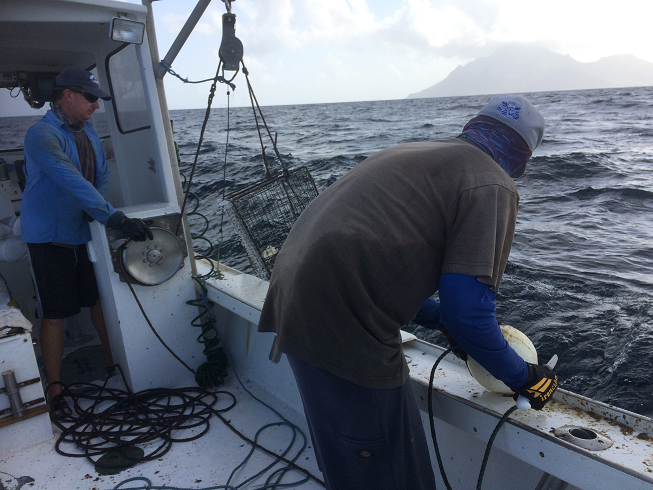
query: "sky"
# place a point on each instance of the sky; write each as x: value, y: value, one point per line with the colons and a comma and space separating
x: 314, y: 51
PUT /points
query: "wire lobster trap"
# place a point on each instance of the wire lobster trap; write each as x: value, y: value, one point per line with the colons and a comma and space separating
x: 263, y: 213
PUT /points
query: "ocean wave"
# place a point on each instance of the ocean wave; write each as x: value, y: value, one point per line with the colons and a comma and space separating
x: 626, y: 193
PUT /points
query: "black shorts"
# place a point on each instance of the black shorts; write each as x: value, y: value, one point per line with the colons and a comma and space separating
x: 64, y: 277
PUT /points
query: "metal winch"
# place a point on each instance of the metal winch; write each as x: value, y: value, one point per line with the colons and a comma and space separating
x: 150, y: 262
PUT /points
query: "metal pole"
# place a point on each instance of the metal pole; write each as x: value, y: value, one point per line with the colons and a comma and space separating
x: 12, y: 391
x: 163, y: 104
x: 190, y: 24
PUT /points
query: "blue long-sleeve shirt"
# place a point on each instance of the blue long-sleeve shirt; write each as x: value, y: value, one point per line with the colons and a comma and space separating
x: 467, y: 311
x: 56, y: 194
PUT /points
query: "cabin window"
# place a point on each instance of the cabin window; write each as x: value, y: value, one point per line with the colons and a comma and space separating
x: 127, y: 92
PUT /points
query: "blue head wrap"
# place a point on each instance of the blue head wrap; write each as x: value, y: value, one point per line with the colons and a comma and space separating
x: 505, y: 145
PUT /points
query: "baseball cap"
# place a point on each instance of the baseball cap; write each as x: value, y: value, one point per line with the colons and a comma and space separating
x: 519, y: 114
x: 76, y: 77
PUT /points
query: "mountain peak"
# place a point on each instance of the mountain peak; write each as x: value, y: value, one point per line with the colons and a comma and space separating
x: 518, y: 68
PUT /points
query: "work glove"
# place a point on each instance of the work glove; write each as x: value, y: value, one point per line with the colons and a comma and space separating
x: 132, y: 228
x: 539, y: 387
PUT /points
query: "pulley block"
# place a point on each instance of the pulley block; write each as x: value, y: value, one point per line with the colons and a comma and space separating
x: 231, y: 49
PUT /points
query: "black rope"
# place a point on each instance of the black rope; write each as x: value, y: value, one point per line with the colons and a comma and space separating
x: 489, y: 445
x: 213, y: 371
x: 124, y: 427
x: 110, y: 419
x: 147, y: 319
x: 488, y: 448
x: 432, y: 422
x: 169, y: 69
x: 258, y: 128
x: 105, y: 419
x: 255, y: 101
x: 199, y: 144
x: 224, y: 182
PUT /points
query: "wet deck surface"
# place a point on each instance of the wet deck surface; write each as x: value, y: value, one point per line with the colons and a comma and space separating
x: 208, y: 461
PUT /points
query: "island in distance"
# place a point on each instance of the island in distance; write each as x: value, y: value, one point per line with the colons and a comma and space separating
x: 516, y: 69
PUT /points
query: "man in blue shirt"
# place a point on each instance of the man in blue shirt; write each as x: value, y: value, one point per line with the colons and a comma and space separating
x: 67, y: 180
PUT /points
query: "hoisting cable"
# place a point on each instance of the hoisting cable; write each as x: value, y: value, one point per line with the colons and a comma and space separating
x: 224, y: 183
x: 252, y: 97
x: 199, y: 145
x: 258, y: 128
x: 488, y: 448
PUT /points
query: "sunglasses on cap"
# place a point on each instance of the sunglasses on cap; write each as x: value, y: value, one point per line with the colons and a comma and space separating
x: 89, y: 97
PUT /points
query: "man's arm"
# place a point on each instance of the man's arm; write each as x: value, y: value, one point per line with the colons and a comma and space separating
x: 44, y: 150
x: 467, y: 309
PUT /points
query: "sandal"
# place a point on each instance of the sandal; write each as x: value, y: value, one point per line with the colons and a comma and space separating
x: 59, y: 407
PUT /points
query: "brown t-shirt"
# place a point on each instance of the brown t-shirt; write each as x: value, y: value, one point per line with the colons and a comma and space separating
x: 370, y: 249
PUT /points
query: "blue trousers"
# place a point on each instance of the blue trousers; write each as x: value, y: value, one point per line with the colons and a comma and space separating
x: 364, y: 439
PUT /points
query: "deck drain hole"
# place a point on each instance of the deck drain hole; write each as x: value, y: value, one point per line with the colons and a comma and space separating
x: 583, y: 433
x: 583, y: 437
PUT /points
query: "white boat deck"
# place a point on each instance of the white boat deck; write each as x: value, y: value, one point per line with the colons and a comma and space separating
x: 203, y: 463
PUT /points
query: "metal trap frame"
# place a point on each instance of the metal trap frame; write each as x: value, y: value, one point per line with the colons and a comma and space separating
x: 263, y: 213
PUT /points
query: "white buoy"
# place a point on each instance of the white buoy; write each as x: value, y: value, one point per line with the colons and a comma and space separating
x: 522, y: 346
x: 12, y: 249
x: 16, y: 227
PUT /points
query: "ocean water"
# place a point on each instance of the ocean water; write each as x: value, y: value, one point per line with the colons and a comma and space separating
x: 579, y: 281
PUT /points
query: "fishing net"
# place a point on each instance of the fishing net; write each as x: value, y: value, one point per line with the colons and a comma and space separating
x: 263, y: 213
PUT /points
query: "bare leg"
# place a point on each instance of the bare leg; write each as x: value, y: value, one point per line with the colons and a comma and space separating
x: 52, y: 350
x: 97, y: 318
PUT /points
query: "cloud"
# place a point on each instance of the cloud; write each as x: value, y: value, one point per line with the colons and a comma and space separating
x: 329, y: 50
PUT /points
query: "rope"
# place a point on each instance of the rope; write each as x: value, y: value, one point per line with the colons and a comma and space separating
x: 258, y: 128
x: 255, y: 101
x: 488, y: 448
x: 199, y: 144
x: 169, y: 69
x: 432, y: 422
x: 106, y: 419
x: 147, y: 319
x: 116, y: 419
x: 212, y: 372
x: 224, y: 181
x: 291, y: 463
x: 489, y: 445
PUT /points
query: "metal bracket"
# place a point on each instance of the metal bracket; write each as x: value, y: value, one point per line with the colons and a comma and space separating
x: 12, y: 390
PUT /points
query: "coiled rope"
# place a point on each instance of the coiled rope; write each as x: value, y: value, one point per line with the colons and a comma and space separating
x: 109, y: 419
x: 212, y: 372
x: 488, y: 448
x: 105, y: 419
